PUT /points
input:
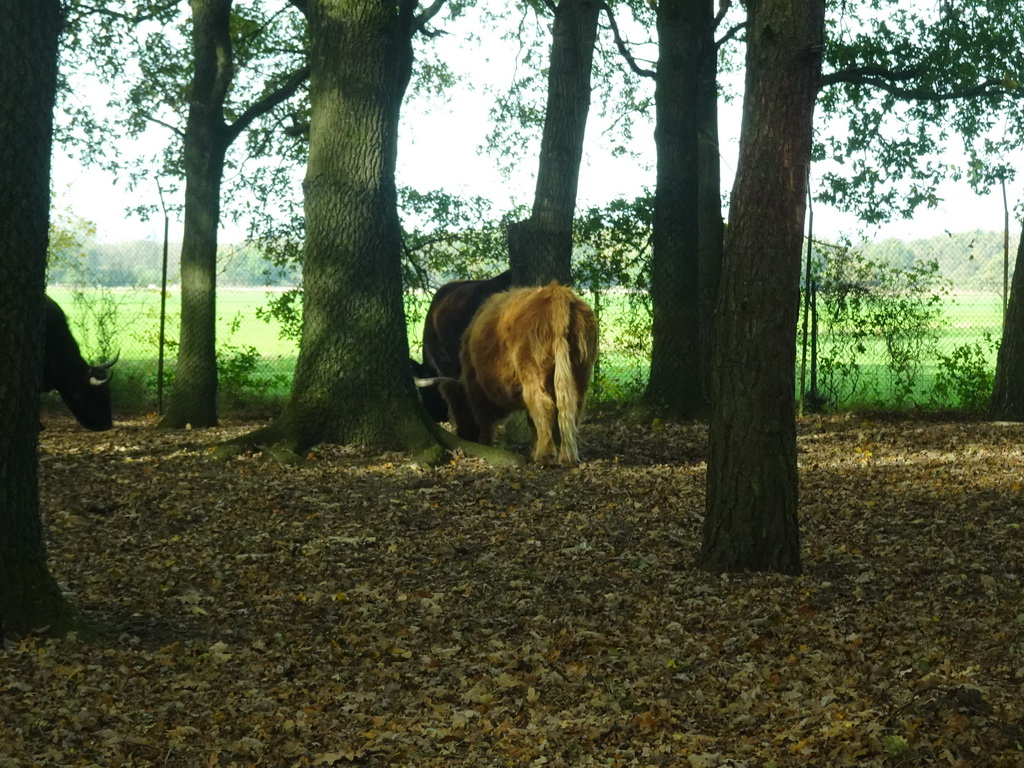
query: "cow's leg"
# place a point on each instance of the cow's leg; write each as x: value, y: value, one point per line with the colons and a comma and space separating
x: 568, y: 452
x: 466, y: 425
x: 541, y: 407
x: 484, y: 413
x: 487, y: 418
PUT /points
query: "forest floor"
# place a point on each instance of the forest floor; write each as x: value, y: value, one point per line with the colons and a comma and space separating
x: 359, y: 610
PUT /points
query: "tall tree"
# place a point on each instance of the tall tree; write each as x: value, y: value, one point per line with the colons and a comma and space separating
x: 926, y: 68
x: 29, y: 31
x: 687, y: 236
x: 910, y: 83
x: 685, y: 39
x: 246, y: 64
x: 352, y: 382
x: 751, y: 511
x: 540, y: 247
x: 207, y: 138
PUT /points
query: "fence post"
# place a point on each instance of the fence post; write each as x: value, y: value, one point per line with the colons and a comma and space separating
x: 807, y: 298
x: 163, y: 309
x: 1006, y: 251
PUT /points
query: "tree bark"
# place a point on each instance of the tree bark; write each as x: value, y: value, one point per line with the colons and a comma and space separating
x: 352, y: 382
x: 751, y: 512
x: 540, y: 248
x: 1007, y: 402
x: 685, y: 38
x: 711, y: 226
x: 193, y: 399
x: 208, y: 137
x: 30, y: 599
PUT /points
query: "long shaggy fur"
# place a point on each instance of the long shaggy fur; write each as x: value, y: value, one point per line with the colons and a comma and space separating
x: 528, y: 349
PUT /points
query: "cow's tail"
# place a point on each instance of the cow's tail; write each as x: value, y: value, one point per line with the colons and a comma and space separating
x: 565, y: 332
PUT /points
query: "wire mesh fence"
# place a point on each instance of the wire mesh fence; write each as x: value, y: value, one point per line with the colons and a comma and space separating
x: 886, y: 324
x: 894, y: 324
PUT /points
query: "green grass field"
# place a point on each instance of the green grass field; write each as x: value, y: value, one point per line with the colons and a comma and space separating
x: 958, y: 352
x: 257, y: 362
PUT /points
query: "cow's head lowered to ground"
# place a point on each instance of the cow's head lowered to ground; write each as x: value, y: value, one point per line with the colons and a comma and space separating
x: 434, y: 403
x: 84, y: 388
x: 529, y: 349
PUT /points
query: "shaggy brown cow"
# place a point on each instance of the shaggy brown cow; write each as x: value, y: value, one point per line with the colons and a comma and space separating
x: 527, y: 349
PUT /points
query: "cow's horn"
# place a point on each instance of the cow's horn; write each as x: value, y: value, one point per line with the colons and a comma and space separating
x: 97, y: 381
x: 109, y: 363
x: 419, y: 382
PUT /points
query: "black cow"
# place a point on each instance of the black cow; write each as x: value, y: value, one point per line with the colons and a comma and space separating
x: 84, y: 388
x: 451, y: 309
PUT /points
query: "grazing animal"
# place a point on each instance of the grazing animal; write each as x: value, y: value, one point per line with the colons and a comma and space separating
x: 84, y: 388
x: 529, y: 349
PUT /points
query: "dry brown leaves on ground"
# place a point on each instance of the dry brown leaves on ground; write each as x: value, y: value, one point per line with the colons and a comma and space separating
x: 357, y: 610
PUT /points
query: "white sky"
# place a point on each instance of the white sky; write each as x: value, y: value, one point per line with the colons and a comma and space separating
x: 440, y: 150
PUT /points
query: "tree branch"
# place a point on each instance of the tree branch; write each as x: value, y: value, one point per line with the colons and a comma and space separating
x: 733, y: 32
x: 621, y: 45
x: 267, y: 103
x: 888, y: 79
x: 133, y: 19
x: 420, y: 22
x: 723, y: 8
x: 172, y: 128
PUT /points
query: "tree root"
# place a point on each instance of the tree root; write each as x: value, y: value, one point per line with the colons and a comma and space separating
x: 276, y: 443
x: 498, y: 457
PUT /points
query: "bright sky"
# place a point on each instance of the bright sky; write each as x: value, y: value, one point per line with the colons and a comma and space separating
x: 440, y: 149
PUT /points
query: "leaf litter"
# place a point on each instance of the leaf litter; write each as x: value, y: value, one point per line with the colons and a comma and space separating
x: 356, y: 610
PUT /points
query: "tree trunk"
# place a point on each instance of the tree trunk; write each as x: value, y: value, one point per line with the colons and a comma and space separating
x: 709, y: 203
x: 1007, y: 401
x: 675, y: 386
x: 29, y: 31
x: 751, y: 514
x: 540, y: 248
x: 194, y: 397
x: 352, y: 382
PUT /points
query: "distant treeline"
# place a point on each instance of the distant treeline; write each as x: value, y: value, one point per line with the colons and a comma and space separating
x: 140, y: 263
x: 970, y: 260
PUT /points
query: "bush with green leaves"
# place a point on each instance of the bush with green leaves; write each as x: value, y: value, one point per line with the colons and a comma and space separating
x: 611, y: 267
x: 243, y: 378
x: 964, y: 377
x: 874, y: 316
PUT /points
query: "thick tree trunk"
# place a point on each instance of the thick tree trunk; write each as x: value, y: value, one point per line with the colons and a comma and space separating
x: 194, y: 397
x: 29, y: 30
x: 540, y: 248
x: 675, y: 386
x: 352, y: 381
x: 751, y: 515
x: 1007, y: 401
